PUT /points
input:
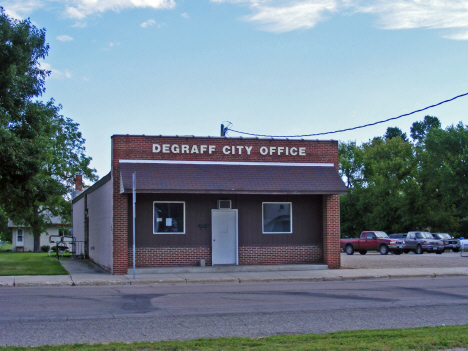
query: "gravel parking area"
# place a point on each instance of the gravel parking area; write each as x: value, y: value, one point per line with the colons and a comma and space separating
x: 410, y: 260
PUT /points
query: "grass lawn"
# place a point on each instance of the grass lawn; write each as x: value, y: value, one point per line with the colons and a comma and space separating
x: 5, y: 247
x: 428, y: 338
x: 28, y: 263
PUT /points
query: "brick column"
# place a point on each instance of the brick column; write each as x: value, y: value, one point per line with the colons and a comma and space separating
x: 331, y: 231
x: 120, y: 225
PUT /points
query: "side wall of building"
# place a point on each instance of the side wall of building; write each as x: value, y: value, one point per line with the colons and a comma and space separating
x: 100, y: 217
x: 78, y: 220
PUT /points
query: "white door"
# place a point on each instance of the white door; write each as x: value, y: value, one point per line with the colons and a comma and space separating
x: 224, y: 236
x: 19, y: 238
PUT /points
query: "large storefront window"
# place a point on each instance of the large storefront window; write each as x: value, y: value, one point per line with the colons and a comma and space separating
x: 169, y: 217
x: 277, y: 217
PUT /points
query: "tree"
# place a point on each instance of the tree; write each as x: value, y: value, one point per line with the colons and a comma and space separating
x: 393, y: 132
x: 350, y: 163
x: 447, y: 167
x: 40, y: 150
x: 396, y: 185
x: 420, y: 129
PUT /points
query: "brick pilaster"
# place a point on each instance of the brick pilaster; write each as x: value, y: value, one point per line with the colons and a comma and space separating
x: 331, y: 231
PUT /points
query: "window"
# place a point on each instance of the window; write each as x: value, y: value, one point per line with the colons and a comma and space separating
x: 277, y: 217
x: 169, y: 217
x: 64, y: 232
x: 19, y: 237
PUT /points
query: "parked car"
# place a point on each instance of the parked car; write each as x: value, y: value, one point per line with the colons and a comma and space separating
x: 401, y: 236
x: 450, y: 242
x: 372, y: 240
x: 464, y: 247
x: 421, y: 242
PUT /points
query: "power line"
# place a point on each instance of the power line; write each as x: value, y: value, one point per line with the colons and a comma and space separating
x: 348, y: 129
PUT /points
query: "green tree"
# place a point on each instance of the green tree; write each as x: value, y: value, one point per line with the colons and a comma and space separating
x: 350, y: 163
x: 447, y: 168
x: 5, y: 232
x: 396, y: 185
x: 393, y: 132
x: 41, y: 150
x: 420, y: 129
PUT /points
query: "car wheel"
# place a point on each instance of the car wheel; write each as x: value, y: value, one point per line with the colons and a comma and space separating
x: 397, y: 252
x: 349, y: 249
x: 362, y: 252
x: 456, y: 250
x: 383, y: 249
x: 406, y: 251
x: 440, y: 252
x: 419, y: 250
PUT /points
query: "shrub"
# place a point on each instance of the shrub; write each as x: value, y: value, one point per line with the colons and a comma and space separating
x: 45, y: 248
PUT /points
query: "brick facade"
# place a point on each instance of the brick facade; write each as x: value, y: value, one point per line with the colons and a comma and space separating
x: 248, y: 255
x: 169, y: 256
x: 128, y: 147
x: 260, y: 255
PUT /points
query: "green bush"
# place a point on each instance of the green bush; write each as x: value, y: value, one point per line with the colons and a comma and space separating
x: 45, y: 248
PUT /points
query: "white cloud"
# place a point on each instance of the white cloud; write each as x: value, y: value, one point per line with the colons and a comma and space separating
x: 20, y: 9
x: 457, y: 36
x: 64, y: 38
x: 83, y: 8
x: 185, y: 15
x: 288, y: 15
x: 148, y: 23
x: 284, y: 17
x: 404, y: 14
x: 110, y: 46
x: 56, y: 74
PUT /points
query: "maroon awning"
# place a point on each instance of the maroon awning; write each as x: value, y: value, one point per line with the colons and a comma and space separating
x: 225, y: 178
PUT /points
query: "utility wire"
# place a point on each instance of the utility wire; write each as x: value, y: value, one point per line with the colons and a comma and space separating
x: 348, y: 129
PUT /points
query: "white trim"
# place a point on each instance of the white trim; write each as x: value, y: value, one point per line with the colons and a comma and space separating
x: 290, y: 215
x: 170, y: 202
x: 20, y: 243
x: 231, y: 163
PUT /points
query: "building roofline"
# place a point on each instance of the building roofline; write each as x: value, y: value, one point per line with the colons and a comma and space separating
x: 220, y: 137
x: 93, y: 187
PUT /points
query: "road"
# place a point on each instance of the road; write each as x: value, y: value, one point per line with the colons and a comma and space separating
x: 38, y: 316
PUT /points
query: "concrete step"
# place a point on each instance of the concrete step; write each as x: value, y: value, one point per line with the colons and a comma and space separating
x: 228, y: 268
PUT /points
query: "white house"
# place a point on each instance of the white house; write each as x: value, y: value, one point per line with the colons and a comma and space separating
x: 23, y: 239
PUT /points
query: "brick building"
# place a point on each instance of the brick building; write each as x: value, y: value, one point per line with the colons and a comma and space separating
x: 233, y: 201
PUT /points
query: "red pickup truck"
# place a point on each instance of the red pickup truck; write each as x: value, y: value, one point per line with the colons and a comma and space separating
x: 372, y: 240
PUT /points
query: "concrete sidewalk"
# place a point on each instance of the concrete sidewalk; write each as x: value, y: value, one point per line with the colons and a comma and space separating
x: 83, y: 272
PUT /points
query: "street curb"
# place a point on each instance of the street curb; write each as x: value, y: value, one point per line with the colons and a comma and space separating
x: 185, y: 279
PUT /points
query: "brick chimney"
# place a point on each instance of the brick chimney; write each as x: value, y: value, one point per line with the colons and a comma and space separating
x: 79, y: 182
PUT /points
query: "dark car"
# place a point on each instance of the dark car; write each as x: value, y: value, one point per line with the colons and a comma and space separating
x: 450, y: 242
x: 401, y: 236
x: 421, y: 242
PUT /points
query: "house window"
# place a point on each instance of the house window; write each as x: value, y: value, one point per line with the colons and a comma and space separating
x: 19, y: 237
x: 64, y: 232
x: 169, y: 217
x: 277, y: 217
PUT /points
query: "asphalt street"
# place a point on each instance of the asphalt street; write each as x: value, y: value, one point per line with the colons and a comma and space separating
x: 162, y: 312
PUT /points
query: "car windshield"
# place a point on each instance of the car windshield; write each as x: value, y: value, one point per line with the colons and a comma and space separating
x: 424, y: 236
x: 381, y: 235
x: 443, y: 236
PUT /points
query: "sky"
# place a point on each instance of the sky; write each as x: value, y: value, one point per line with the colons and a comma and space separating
x: 275, y: 67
